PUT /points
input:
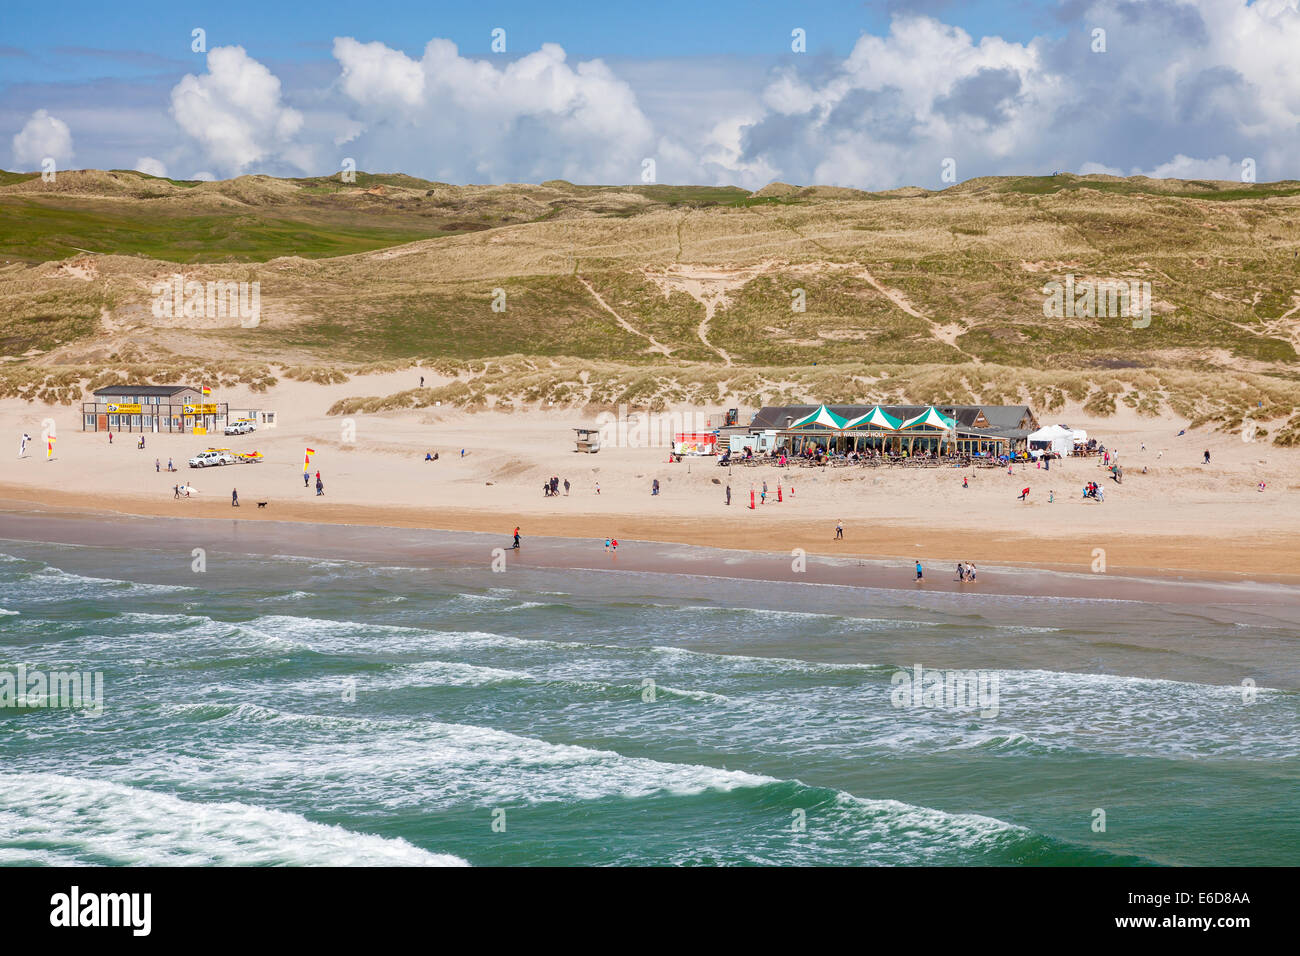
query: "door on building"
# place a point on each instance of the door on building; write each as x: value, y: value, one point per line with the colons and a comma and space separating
x: 102, y: 424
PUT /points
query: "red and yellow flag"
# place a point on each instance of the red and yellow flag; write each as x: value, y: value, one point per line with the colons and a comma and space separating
x: 206, y: 390
x: 49, y: 447
x: 306, y: 461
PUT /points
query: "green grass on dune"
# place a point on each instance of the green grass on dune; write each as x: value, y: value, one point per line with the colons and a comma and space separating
x: 39, y: 230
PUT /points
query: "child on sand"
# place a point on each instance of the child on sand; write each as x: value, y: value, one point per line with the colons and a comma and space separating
x: 1024, y: 493
x: 839, y: 530
x: 920, y: 572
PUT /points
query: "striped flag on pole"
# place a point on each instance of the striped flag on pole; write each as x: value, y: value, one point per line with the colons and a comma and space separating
x: 306, y: 461
x: 206, y: 390
x: 49, y: 447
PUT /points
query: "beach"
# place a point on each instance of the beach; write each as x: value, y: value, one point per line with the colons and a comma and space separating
x: 376, y: 676
x: 1182, y: 517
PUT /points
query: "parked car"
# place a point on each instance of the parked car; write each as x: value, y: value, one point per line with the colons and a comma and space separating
x: 211, y: 457
x: 240, y: 428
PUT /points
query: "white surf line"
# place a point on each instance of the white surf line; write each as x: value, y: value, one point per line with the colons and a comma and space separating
x: 655, y: 346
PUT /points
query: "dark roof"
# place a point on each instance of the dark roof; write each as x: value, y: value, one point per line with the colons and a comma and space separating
x: 1001, y: 419
x: 1008, y: 416
x: 142, y: 389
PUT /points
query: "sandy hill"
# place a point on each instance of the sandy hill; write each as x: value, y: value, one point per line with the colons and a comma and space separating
x: 675, y: 288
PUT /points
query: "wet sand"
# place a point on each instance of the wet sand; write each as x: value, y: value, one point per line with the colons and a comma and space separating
x: 424, y: 547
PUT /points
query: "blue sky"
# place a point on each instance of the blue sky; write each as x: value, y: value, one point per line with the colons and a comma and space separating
x: 885, y: 95
x: 660, y: 29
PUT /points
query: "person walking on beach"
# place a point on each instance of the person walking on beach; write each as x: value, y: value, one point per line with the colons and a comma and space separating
x: 110, y: 441
x: 320, y: 486
x: 1207, y: 456
x: 306, y: 479
x: 234, y: 497
x: 421, y: 381
x: 607, y: 545
x: 965, y: 481
x: 566, y: 487
x: 920, y: 572
x: 839, y: 530
x: 1051, y: 497
x: 613, y: 545
x: 157, y: 466
x: 1024, y: 493
x: 176, y: 491
x: 728, y: 495
x: 516, y: 546
x: 970, y: 572
x: 654, y: 488
x: 170, y: 466
x: 598, y: 487
x: 961, y: 571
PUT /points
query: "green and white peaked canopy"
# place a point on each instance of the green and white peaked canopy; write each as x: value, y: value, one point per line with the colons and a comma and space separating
x: 822, y: 418
x: 876, y: 418
x: 931, y: 418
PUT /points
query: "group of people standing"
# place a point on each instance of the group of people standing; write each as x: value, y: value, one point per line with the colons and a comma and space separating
x: 966, y: 571
x: 551, y: 489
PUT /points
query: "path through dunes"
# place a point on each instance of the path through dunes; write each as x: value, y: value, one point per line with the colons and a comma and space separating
x: 627, y: 326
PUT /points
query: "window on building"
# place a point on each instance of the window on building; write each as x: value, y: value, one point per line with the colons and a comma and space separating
x: 90, y: 420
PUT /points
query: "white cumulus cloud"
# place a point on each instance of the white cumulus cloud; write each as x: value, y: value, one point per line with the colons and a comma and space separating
x: 235, y: 111
x: 41, y: 136
x: 456, y: 118
x: 151, y: 167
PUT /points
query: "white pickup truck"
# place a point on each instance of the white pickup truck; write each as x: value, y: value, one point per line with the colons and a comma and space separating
x: 240, y: 428
x: 205, y: 458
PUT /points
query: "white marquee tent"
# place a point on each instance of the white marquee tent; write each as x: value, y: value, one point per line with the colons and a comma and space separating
x: 1057, y: 439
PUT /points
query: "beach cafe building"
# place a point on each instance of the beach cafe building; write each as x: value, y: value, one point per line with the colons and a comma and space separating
x: 152, y: 408
x: 899, y: 429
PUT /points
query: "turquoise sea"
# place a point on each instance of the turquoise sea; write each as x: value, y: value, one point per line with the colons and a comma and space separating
x: 293, y: 710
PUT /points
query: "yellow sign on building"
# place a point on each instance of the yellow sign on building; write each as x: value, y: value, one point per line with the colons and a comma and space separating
x: 200, y: 409
x: 124, y: 409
